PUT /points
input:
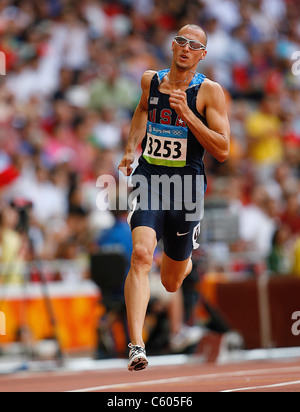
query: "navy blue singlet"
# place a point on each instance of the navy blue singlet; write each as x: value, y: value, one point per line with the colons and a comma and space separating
x: 168, y: 142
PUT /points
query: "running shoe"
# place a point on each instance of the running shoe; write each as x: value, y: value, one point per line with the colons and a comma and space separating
x: 137, y: 358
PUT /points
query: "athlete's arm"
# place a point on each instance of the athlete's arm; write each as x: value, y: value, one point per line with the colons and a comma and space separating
x: 216, y: 137
x: 138, y: 125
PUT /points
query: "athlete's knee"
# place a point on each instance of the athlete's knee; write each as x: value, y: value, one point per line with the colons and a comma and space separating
x: 141, y: 258
x: 171, y: 285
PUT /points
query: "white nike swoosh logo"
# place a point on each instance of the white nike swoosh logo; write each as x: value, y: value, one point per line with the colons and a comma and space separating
x: 182, y: 234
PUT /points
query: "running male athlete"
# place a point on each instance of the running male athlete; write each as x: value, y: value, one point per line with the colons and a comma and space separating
x: 181, y: 114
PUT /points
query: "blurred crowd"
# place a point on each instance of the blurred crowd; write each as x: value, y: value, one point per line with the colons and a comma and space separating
x: 72, y: 83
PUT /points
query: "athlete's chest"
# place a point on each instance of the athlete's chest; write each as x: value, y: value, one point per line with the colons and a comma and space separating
x: 160, y: 111
x: 165, y: 116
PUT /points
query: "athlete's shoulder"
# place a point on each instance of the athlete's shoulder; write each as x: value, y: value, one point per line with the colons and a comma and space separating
x: 149, y: 73
x: 212, y: 91
x: 148, y: 76
x: 210, y: 86
x: 145, y: 85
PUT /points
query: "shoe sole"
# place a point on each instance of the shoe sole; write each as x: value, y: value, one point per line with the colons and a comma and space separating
x: 138, y: 364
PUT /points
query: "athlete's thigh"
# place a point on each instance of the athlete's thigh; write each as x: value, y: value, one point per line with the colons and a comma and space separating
x: 180, y: 235
x: 143, y: 214
x: 147, y: 218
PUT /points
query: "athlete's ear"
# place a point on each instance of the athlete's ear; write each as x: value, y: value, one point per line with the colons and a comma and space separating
x: 203, y: 55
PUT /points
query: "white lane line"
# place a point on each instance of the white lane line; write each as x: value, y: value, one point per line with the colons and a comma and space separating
x: 132, y: 384
x: 275, y: 385
x: 205, y: 377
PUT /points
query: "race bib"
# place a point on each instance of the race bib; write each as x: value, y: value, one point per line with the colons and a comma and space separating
x: 166, y: 145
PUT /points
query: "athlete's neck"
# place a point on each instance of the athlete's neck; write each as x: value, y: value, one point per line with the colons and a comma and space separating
x: 174, y: 78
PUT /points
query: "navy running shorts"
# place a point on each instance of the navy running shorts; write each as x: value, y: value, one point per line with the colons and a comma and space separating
x: 176, y: 223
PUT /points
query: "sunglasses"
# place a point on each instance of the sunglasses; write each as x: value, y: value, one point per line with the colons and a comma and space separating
x: 193, y: 44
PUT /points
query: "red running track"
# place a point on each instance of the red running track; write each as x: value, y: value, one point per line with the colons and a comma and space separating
x: 264, y: 376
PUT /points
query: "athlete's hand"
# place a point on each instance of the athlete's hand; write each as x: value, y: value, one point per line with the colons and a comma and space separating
x: 178, y: 102
x: 125, y: 165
